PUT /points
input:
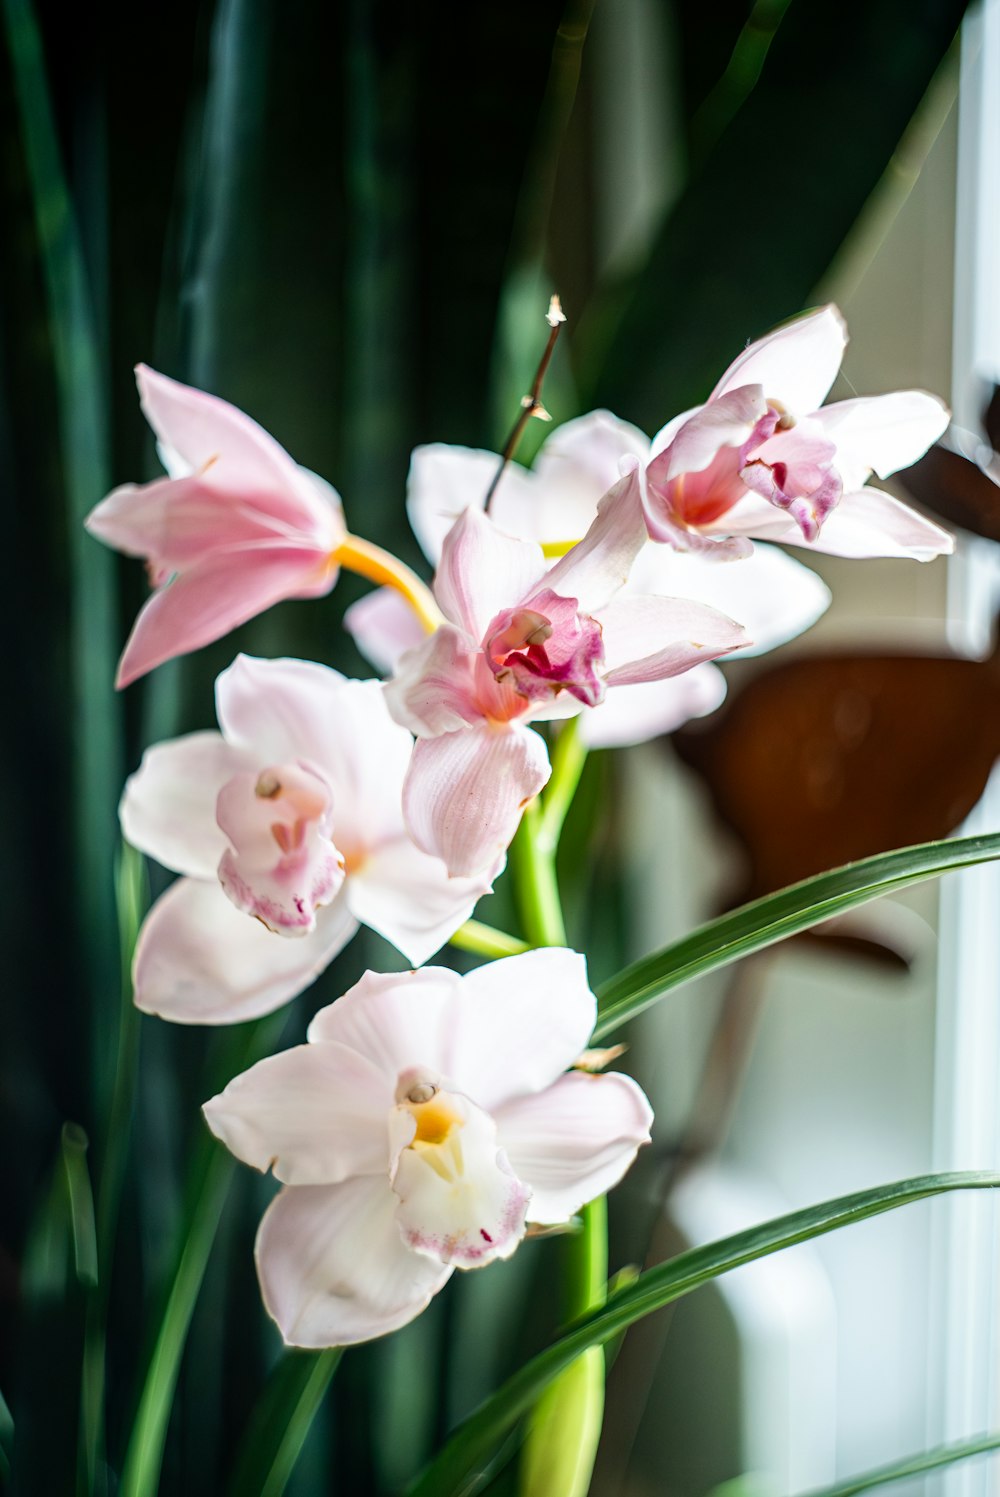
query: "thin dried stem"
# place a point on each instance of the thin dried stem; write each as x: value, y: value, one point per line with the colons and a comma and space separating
x: 531, y: 404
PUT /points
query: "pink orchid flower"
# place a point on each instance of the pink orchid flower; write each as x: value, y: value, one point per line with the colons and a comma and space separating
x: 760, y: 458
x: 291, y: 814
x: 555, y: 503
x: 428, y: 1120
x: 235, y: 527
x: 523, y: 643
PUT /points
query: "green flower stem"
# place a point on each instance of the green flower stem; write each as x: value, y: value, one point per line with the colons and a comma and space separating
x: 917, y: 1465
x: 565, y: 1425
x: 486, y: 940
x: 569, y: 755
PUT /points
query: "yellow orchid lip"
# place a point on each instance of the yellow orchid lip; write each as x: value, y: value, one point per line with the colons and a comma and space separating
x: 436, y: 1119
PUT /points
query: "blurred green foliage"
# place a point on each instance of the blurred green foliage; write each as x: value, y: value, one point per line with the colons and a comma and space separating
x: 346, y: 219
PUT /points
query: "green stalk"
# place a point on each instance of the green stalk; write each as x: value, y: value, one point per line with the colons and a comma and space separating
x: 565, y: 1425
x: 486, y: 940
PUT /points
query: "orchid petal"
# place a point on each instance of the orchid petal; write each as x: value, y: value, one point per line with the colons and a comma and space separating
x: 444, y: 481
x: 315, y: 1115
x: 867, y: 523
x: 638, y: 713
x: 200, y: 961
x: 796, y: 364
x: 409, y: 898
x: 882, y: 433
x: 242, y: 459
x: 383, y: 627
x: 297, y: 710
x: 459, y: 1200
x: 482, y: 571
x: 724, y: 422
x: 574, y: 1141
x: 333, y: 1267
x: 218, y: 594
x: 633, y: 625
x: 433, y: 690
x: 168, y: 808
x: 773, y: 596
x: 521, y: 1022
x: 396, y: 1020
x: 599, y: 565
x: 465, y: 791
x: 175, y: 521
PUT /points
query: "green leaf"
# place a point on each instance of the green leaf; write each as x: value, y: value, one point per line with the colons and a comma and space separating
x: 778, y: 916
x: 455, y: 1467
x: 281, y: 1421
x: 915, y: 1465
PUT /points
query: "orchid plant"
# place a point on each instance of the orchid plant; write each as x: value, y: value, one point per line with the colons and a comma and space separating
x: 434, y: 1121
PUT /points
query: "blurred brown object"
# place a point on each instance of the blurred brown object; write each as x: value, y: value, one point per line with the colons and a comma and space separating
x: 959, y: 478
x: 828, y: 758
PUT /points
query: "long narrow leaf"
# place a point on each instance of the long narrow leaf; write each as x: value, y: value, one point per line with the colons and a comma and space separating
x: 915, y: 1465
x: 456, y: 1465
x: 281, y: 1421
x: 775, y: 917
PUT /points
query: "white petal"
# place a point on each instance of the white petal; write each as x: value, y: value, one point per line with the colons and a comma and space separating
x: 574, y: 1141
x: 277, y: 709
x: 772, y: 595
x: 445, y: 481
x: 465, y: 792
x: 726, y: 421
x: 459, y: 1200
x: 520, y: 1023
x: 666, y: 434
x: 796, y: 364
x: 408, y: 897
x: 882, y: 433
x: 333, y: 1266
x: 647, y: 638
x: 397, y: 1019
x: 383, y: 626
x: 483, y: 571
x: 168, y: 808
x: 635, y: 714
x: 315, y: 1114
x: 200, y: 961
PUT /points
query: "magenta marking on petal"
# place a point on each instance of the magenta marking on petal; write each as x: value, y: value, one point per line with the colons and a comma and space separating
x: 547, y: 645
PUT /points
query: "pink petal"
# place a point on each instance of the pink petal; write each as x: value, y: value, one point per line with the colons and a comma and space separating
x: 409, y: 898
x: 726, y: 421
x: 200, y: 961
x: 396, y: 1019
x: 237, y: 455
x: 465, y: 792
x: 796, y: 364
x: 635, y: 714
x: 867, y: 523
x: 333, y: 1266
x: 383, y: 626
x: 882, y: 433
x: 295, y: 709
x: 574, y: 1141
x: 519, y: 1023
x: 215, y: 597
x: 434, y: 689
x: 177, y: 521
x: 282, y: 865
x: 482, y: 571
x: 168, y: 808
x: 600, y: 564
x: 315, y: 1115
x: 650, y: 638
